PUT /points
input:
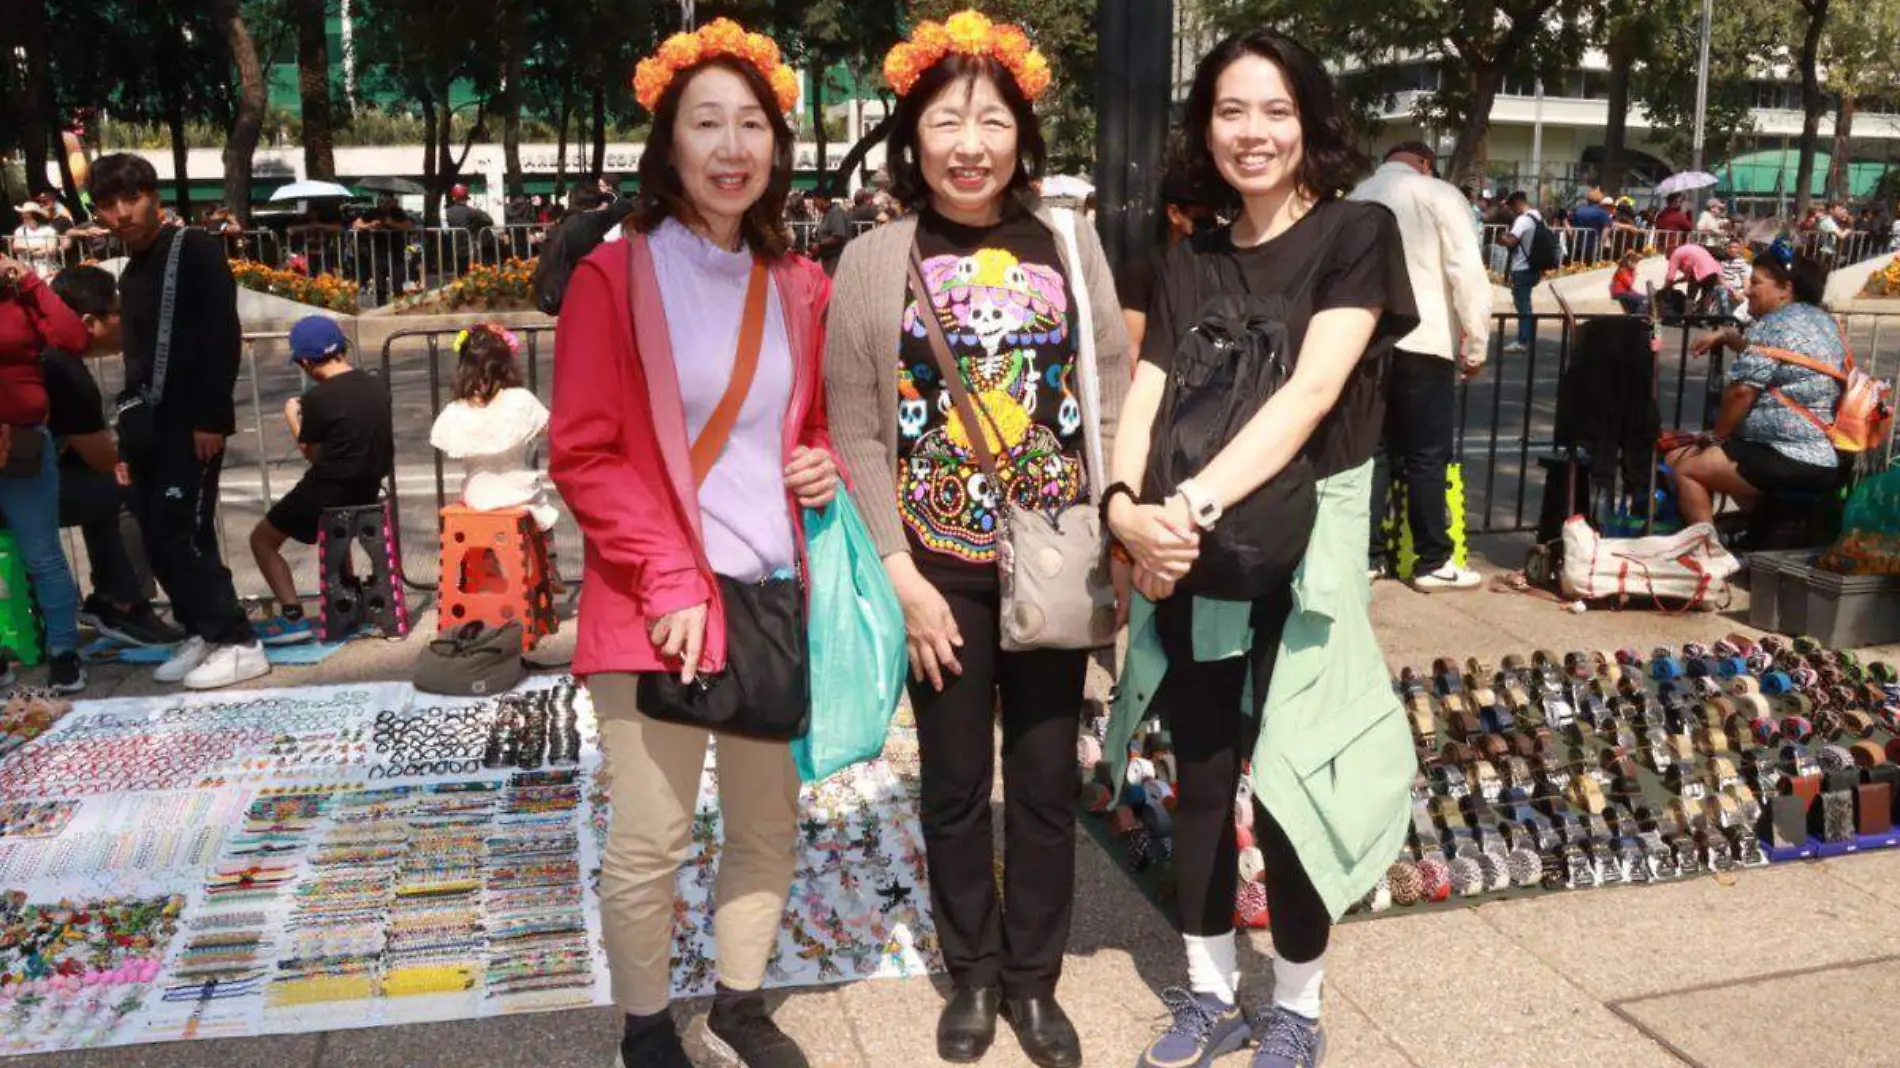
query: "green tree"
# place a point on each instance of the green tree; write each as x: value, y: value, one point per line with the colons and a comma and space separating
x: 248, y: 123
x: 1813, y: 101
x: 313, y: 86
x: 1861, y: 56
x: 1744, y: 47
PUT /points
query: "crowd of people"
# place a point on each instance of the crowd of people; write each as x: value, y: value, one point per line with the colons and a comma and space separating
x: 1198, y: 443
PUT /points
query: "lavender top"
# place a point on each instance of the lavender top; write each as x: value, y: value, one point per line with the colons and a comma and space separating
x: 743, y: 509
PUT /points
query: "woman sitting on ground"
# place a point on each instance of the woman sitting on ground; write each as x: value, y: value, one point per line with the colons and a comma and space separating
x: 1768, y: 437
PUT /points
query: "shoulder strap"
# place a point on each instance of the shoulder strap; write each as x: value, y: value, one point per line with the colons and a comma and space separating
x: 947, y: 367
x: 1802, y: 410
x: 745, y: 365
x: 1088, y: 382
x: 167, y: 311
x: 1790, y: 356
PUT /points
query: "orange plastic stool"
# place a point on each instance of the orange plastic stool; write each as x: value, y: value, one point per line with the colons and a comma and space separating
x: 495, y: 571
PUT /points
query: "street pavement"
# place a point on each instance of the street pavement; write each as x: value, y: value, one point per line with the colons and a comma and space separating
x: 1787, y: 965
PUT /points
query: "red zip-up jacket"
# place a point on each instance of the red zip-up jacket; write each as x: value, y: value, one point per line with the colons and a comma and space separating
x: 619, y: 453
x: 34, y: 320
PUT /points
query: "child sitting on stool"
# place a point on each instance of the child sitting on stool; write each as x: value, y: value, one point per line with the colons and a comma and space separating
x: 342, y: 426
x: 496, y: 428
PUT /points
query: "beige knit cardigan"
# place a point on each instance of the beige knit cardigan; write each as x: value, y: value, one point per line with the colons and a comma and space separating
x: 867, y: 311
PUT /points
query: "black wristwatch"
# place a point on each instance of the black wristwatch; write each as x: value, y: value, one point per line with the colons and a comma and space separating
x: 1119, y: 489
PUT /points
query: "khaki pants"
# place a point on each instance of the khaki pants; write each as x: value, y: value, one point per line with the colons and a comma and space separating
x: 655, y: 770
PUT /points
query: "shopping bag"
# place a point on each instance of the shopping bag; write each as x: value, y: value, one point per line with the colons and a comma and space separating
x: 1870, y: 528
x: 857, y: 658
x: 1689, y: 567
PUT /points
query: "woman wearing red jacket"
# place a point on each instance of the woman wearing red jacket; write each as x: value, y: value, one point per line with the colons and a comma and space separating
x: 32, y: 320
x: 650, y: 336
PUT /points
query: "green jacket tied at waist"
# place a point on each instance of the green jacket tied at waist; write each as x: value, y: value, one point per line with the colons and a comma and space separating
x: 1334, y: 763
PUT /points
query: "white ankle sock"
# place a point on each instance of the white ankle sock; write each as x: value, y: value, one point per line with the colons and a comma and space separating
x: 1296, y: 986
x: 1213, y: 965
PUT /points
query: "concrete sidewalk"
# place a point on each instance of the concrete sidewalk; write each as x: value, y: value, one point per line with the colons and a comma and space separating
x: 1767, y: 971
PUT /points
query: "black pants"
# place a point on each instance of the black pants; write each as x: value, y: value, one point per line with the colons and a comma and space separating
x: 176, y: 500
x: 1420, y: 406
x: 94, y: 502
x: 1016, y: 943
x: 1200, y: 702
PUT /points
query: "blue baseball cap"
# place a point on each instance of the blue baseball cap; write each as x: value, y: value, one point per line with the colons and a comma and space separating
x: 316, y: 338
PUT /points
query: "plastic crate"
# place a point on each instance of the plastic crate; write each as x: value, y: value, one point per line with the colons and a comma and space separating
x: 1765, y: 604
x: 1849, y: 611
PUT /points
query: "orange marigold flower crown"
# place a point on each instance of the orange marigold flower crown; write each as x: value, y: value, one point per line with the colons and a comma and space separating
x: 720, y: 37
x: 969, y: 33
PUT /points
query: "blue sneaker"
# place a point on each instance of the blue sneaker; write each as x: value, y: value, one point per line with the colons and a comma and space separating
x: 1289, y: 1040
x: 1205, y: 1027
x: 280, y: 631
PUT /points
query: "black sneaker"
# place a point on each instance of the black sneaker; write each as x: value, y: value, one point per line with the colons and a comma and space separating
x: 141, y: 626
x: 91, y: 609
x: 653, y: 1046
x: 66, y: 674
x: 741, y: 1029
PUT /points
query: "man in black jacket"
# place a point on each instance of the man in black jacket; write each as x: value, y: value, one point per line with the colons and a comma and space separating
x: 175, y: 473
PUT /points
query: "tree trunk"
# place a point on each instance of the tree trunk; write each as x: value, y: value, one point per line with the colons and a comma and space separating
x: 823, y: 182
x: 1467, y: 154
x: 599, y: 166
x: 1840, y: 185
x: 181, y: 157
x: 313, y: 86
x: 249, y: 123
x: 1812, y: 103
x: 872, y: 137
x: 514, y: 70
x: 1616, y: 132
x: 35, y: 101
x: 560, y: 144
x: 432, y: 199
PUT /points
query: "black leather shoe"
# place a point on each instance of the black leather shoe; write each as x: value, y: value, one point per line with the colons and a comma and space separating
x: 1047, y: 1036
x: 968, y: 1024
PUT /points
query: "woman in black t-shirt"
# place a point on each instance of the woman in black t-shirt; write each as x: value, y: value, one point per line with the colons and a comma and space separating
x: 1266, y: 144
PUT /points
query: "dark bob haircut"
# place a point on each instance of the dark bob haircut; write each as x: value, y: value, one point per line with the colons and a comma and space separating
x: 1804, y: 274
x: 906, y: 163
x: 120, y: 174
x: 1330, y: 164
x: 485, y: 366
x: 662, y: 196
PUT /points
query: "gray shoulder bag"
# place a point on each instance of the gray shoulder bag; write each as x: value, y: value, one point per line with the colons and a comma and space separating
x: 1053, y: 573
x: 136, y: 416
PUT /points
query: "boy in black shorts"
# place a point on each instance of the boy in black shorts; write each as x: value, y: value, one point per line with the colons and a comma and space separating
x: 342, y: 425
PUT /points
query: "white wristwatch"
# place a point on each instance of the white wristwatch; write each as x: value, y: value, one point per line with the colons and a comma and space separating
x: 1203, y: 506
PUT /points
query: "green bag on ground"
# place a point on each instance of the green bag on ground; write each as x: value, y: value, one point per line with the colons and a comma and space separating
x: 1870, y: 528
x: 857, y: 658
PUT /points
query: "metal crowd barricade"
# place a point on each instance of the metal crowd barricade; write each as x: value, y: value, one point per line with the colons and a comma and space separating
x: 422, y: 362
x: 512, y: 241
x: 804, y: 234
x: 447, y: 254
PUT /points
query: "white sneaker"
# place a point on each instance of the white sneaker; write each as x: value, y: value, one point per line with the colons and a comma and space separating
x: 1449, y: 577
x: 184, y: 661
x: 229, y: 665
x: 1515, y: 348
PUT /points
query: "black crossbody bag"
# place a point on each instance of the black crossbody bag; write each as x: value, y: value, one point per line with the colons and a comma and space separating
x: 136, y: 416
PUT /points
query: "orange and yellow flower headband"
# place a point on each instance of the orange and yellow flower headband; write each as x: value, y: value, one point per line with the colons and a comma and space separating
x: 720, y: 37
x: 968, y: 33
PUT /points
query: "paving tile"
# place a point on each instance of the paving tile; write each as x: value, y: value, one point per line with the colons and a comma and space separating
x: 284, y: 1051
x: 1644, y: 940
x: 584, y: 1038
x: 1796, y: 1019
x: 1450, y: 990
x: 1876, y: 872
